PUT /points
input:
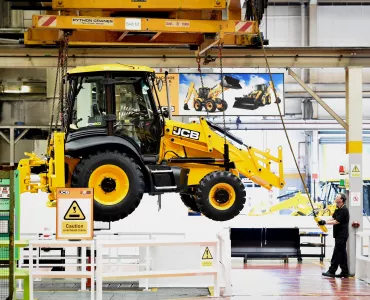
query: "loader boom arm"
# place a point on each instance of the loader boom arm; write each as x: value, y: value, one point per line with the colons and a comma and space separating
x: 182, y: 142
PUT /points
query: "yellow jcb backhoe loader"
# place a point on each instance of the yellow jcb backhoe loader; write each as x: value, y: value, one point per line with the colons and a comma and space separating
x: 296, y: 202
x: 125, y: 147
x: 299, y: 204
x: 209, y: 97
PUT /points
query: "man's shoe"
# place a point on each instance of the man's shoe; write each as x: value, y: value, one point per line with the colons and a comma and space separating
x: 341, y: 275
x: 328, y: 274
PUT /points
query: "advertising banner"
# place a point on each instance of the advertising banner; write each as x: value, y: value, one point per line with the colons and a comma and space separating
x: 245, y: 94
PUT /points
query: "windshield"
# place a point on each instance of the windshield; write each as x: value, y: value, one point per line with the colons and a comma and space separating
x: 88, y: 93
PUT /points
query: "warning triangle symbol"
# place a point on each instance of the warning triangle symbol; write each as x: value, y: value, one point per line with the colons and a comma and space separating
x: 74, y: 212
x: 207, y: 254
x: 356, y: 169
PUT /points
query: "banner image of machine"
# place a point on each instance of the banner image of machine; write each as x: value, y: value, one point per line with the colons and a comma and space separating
x: 244, y: 94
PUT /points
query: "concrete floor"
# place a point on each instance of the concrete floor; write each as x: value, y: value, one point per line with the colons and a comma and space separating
x: 272, y: 280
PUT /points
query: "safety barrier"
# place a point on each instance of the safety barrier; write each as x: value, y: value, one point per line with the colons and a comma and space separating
x: 62, y: 255
x: 363, y: 256
x: 72, y: 269
x: 213, y: 269
x: 76, y: 266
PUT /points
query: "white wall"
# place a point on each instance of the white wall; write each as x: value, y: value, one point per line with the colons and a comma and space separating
x: 334, y: 155
x: 343, y: 26
x: 283, y: 26
x: 272, y: 139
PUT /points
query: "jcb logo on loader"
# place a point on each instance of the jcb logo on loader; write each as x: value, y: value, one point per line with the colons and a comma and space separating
x: 186, y: 133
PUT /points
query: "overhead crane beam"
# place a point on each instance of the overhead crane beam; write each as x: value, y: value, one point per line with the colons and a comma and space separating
x: 138, y: 31
x: 148, y: 5
x: 300, y: 57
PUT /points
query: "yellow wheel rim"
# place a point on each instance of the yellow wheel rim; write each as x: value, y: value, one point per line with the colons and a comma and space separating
x: 222, y: 196
x: 110, y: 184
x: 209, y: 105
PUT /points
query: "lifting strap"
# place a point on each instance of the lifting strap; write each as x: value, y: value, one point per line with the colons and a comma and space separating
x: 322, y: 227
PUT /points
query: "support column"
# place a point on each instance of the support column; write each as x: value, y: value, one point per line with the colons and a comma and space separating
x: 312, y: 35
x: 354, y: 151
x: 315, y: 186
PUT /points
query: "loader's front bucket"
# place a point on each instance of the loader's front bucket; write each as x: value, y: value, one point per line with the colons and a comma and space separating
x: 231, y: 83
x: 248, y: 103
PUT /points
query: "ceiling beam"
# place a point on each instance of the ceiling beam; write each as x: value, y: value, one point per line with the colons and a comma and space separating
x: 300, y: 57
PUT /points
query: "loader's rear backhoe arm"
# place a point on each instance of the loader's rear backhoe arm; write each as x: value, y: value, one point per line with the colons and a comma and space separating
x: 191, y: 91
x: 216, y: 91
x: 188, y: 144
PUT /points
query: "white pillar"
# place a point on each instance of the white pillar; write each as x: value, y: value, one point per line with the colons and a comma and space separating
x: 312, y: 35
x: 314, y: 160
x: 354, y: 151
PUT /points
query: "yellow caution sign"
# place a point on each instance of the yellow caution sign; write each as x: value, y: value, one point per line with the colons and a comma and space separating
x: 207, y: 258
x: 74, y: 212
x: 207, y: 254
x: 355, y: 170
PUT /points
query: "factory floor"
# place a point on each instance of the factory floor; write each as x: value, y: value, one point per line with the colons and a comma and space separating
x: 270, y: 280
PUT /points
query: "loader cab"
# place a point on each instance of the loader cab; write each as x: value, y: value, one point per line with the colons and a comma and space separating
x: 204, y: 92
x: 261, y: 87
x: 114, y: 100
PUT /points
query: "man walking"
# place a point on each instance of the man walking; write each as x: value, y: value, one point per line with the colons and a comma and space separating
x: 340, y: 221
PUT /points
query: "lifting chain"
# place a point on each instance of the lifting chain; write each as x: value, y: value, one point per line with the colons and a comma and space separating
x: 200, y: 71
x: 201, y: 76
x: 63, y: 103
x: 220, y: 46
x: 59, y: 77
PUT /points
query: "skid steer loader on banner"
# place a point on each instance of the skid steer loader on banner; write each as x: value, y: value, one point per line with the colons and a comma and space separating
x: 114, y: 139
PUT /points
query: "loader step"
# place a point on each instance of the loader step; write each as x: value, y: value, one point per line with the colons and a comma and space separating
x: 163, y: 179
x: 161, y: 171
x: 161, y: 188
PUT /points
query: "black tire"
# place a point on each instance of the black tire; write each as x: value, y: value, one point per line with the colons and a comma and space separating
x: 262, y: 101
x: 203, y: 199
x: 210, y: 105
x: 198, y: 105
x: 189, y: 202
x: 224, y: 106
x: 268, y: 100
x: 120, y: 210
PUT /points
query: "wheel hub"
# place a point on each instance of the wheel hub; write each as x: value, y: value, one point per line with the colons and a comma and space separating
x: 108, y: 185
x: 222, y: 196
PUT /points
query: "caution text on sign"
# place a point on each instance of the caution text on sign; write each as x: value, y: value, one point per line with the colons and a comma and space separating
x: 75, y: 213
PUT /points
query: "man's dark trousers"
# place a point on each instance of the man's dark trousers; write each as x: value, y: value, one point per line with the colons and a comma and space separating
x: 339, y: 257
